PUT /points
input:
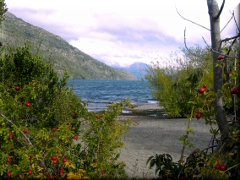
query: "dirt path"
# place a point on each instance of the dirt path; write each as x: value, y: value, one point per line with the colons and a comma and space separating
x: 157, y: 136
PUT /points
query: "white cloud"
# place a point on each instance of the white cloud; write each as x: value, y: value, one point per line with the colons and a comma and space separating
x: 123, y: 32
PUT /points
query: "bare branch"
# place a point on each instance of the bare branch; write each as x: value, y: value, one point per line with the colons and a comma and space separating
x: 189, y: 49
x: 230, y: 48
x: 226, y: 24
x: 192, y: 21
x: 227, y: 39
x: 220, y: 11
x: 218, y: 51
x: 209, y: 147
x: 18, y: 129
x: 234, y: 37
x: 236, y: 22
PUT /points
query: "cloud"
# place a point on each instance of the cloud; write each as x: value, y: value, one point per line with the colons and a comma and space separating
x: 124, y: 32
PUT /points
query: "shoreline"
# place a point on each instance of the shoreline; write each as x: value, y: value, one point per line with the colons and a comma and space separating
x: 149, y: 110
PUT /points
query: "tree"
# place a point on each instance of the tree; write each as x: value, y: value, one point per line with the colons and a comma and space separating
x: 227, y: 151
x: 214, y: 14
x: 3, y: 10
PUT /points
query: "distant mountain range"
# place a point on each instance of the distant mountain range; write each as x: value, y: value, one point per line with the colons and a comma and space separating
x: 14, y: 32
x: 137, y: 69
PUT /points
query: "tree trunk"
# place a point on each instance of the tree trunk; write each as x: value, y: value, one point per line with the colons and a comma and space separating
x: 220, y: 116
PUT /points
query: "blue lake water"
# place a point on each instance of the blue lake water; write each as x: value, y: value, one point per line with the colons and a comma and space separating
x: 98, y: 93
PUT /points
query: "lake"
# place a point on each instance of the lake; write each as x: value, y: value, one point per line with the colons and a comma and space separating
x: 98, y: 93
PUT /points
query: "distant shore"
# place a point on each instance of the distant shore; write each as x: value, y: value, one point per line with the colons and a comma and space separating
x: 152, y: 110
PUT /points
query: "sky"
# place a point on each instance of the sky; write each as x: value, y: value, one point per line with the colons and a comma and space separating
x: 121, y: 32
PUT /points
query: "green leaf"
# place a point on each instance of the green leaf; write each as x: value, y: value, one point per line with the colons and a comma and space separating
x: 191, y: 102
x: 149, y: 159
x: 152, y: 163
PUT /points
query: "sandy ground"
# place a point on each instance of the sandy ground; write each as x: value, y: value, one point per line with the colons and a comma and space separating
x: 157, y: 136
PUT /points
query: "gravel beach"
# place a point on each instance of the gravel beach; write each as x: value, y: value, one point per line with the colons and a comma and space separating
x: 156, y: 135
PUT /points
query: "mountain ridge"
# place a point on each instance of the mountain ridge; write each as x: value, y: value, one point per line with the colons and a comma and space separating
x: 15, y: 31
x: 137, y: 69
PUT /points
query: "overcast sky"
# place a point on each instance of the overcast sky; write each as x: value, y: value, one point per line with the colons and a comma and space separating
x: 121, y: 32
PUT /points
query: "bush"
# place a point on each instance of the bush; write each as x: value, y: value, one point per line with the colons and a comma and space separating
x: 41, y: 121
x: 175, y: 85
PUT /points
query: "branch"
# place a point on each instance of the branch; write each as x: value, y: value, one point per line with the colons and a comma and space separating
x: 209, y: 147
x: 42, y: 161
x: 18, y: 129
x: 236, y: 23
x: 234, y: 37
x: 189, y: 49
x: 217, y: 51
x: 226, y: 24
x: 227, y: 39
x: 191, y: 21
x: 230, y: 48
x: 220, y: 11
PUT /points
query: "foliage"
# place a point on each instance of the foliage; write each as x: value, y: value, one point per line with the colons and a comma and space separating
x: 41, y: 120
x: 175, y: 86
x: 3, y: 10
x: 184, y: 83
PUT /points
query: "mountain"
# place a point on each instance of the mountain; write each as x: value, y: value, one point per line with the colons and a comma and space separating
x: 137, y: 69
x: 14, y: 32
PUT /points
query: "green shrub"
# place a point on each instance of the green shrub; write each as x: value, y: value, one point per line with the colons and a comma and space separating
x: 40, y: 125
x: 174, y: 86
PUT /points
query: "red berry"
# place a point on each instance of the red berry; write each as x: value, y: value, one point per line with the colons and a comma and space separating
x: 24, y: 117
x: 164, y: 176
x: 76, y: 114
x: 54, y: 158
x: 64, y: 160
x: 67, y: 123
x: 10, y: 136
x: 198, y: 116
x: 97, y: 116
x: 27, y: 104
x: 17, y: 88
x: 30, y: 158
x: 50, y: 176
x: 205, y: 86
x: 31, y: 82
x: 60, y: 173
x: 54, y: 129
x: 75, y: 137
x: 8, y: 159
x: 238, y: 92
x: 193, y: 153
x: 220, y: 57
x: 25, y: 131
x: 222, y: 167
x: 9, y: 174
x: 201, y: 90
x: 102, y: 172
x: 30, y: 172
x: 234, y: 91
x: 61, y: 168
x: 217, y: 167
x: 54, y: 161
